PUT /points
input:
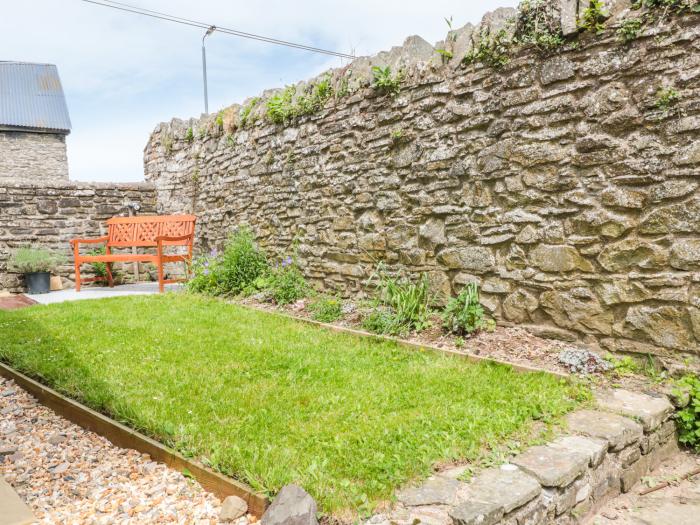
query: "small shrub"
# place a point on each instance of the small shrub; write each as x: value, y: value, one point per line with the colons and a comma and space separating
x: 491, y: 50
x: 278, y: 108
x: 286, y: 283
x: 326, y: 309
x: 219, y: 122
x: 189, y: 136
x: 666, y: 97
x: 246, y: 111
x: 233, y: 270
x: 630, y: 29
x: 688, y: 419
x: 383, y: 81
x: 593, y: 17
x: 32, y: 260
x: 99, y: 268
x: 407, y: 304
x: 464, y: 314
x: 536, y: 26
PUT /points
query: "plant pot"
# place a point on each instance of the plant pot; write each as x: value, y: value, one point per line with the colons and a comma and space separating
x: 37, y: 282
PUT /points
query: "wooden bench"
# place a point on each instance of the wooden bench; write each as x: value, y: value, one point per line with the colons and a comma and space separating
x: 156, y: 231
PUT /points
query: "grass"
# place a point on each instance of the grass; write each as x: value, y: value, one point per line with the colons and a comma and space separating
x: 269, y: 400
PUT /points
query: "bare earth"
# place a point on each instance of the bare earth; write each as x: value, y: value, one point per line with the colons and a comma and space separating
x: 678, y: 504
x: 68, y: 475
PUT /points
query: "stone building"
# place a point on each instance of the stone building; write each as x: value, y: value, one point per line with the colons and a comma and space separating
x: 34, y: 123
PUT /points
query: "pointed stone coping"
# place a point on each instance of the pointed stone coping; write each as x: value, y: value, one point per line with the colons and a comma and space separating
x: 14, y: 510
x: 435, y: 491
x: 618, y: 431
x: 476, y: 513
x: 649, y: 411
x: 553, y: 466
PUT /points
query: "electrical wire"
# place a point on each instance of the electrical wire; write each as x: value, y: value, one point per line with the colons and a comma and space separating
x: 202, y: 25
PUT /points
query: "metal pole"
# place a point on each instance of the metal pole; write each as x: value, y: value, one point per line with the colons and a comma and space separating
x: 204, y: 69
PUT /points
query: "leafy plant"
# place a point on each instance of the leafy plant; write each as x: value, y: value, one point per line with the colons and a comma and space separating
x: 630, y: 29
x: 219, y: 121
x: 326, y: 309
x: 406, y: 303
x: 446, y: 55
x: 279, y: 108
x: 99, y: 268
x: 593, y: 17
x: 189, y: 136
x: 385, y: 82
x: 397, y: 135
x: 32, y: 260
x: 688, y: 419
x: 624, y: 365
x: 464, y: 315
x: 247, y: 109
x: 229, y: 272
x: 491, y: 50
x: 535, y: 26
x: 666, y: 97
x: 286, y: 283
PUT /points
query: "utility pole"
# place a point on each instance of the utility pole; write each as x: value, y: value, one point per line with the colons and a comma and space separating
x: 204, y: 68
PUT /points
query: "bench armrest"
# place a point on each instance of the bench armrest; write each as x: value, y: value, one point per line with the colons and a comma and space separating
x: 89, y: 241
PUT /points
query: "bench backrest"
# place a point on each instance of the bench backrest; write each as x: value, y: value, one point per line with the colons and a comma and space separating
x: 144, y: 229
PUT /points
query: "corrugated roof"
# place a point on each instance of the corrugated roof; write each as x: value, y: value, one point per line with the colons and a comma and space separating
x: 31, y: 97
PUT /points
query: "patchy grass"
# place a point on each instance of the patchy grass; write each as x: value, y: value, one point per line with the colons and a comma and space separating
x: 269, y: 400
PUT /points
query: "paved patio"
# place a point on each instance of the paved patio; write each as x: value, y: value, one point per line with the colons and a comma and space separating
x: 101, y: 292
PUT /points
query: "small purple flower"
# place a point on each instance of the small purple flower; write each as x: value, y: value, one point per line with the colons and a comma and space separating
x: 287, y: 261
x: 214, y: 252
x: 206, y: 264
x: 206, y: 271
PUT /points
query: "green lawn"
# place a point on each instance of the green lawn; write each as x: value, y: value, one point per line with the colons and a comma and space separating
x: 271, y: 401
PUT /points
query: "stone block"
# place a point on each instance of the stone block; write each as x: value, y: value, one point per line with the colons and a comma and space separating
x: 595, y: 448
x: 507, y: 486
x: 552, y: 466
x: 618, y: 431
x: 649, y: 411
x: 435, y: 491
x: 476, y: 513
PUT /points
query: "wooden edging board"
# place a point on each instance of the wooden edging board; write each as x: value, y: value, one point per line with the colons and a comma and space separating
x: 125, y: 437
x: 405, y: 342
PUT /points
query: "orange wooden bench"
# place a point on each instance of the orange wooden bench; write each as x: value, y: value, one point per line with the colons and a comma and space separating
x: 156, y: 231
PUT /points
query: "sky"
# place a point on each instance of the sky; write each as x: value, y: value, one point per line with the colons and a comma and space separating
x: 123, y: 73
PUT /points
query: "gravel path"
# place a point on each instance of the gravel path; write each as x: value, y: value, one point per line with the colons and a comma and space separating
x: 68, y: 475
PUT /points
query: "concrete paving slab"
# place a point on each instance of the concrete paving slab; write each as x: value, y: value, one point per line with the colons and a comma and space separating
x: 14, y: 510
x: 99, y: 292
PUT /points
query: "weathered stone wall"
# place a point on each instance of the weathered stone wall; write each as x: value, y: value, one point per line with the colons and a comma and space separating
x: 33, y: 157
x: 51, y: 214
x: 559, y: 181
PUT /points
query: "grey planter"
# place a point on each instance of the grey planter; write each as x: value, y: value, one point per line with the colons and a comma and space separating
x: 38, y: 282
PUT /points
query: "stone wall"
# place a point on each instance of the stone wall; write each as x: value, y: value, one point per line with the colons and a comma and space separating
x: 561, y: 182
x: 51, y: 214
x: 33, y: 157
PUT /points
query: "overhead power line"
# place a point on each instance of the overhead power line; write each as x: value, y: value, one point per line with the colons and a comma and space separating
x: 202, y: 25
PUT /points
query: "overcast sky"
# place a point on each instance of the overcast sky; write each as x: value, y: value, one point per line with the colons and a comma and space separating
x: 124, y: 73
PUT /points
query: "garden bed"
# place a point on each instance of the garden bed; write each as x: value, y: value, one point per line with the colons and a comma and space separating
x: 270, y: 401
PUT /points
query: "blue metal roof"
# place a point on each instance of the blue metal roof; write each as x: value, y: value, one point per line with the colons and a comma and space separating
x: 31, y: 98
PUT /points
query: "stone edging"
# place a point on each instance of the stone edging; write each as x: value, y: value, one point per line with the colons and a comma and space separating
x: 605, y: 452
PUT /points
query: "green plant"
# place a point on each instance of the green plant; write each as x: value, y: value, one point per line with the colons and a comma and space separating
x: 406, y: 303
x: 491, y: 50
x: 167, y: 144
x: 246, y: 111
x: 593, y: 17
x: 464, y: 315
x: 623, y: 366
x: 446, y: 55
x: 688, y: 419
x: 231, y: 271
x: 279, y: 108
x: 385, y: 82
x: 33, y: 260
x: 666, y: 97
x: 189, y: 136
x: 326, y: 309
x: 397, y: 135
x: 536, y: 27
x: 630, y: 29
x: 286, y: 283
x: 219, y: 122
x: 99, y: 268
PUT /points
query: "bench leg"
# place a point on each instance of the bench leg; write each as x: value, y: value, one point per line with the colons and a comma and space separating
x: 77, y: 276
x: 108, y: 268
x: 161, y: 284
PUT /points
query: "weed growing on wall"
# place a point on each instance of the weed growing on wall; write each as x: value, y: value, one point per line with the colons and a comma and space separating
x: 666, y: 97
x: 490, y: 50
x: 189, y: 135
x: 593, y: 17
x: 385, y: 82
x: 630, y: 29
x: 245, y: 117
x: 536, y: 26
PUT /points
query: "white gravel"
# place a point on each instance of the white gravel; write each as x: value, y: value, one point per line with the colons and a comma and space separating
x: 68, y: 475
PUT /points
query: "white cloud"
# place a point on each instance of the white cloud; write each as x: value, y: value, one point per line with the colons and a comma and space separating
x: 124, y: 73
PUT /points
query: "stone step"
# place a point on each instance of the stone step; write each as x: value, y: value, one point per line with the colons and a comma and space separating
x: 648, y: 410
x: 14, y: 510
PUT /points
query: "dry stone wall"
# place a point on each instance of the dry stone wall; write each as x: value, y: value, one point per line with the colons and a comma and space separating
x: 33, y: 157
x: 565, y: 182
x: 51, y: 214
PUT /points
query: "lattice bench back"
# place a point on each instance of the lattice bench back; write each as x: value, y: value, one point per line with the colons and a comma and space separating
x: 143, y: 230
